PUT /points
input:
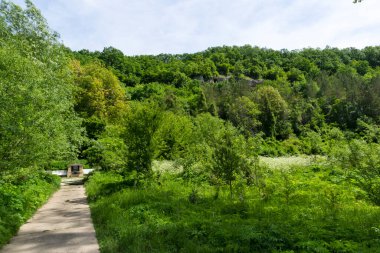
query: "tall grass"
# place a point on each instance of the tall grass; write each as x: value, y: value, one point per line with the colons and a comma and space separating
x: 304, y: 209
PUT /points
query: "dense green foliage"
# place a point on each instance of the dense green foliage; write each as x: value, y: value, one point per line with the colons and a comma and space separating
x: 211, y: 115
x: 37, y: 123
x: 308, y: 89
x: 274, y: 103
x: 21, y: 193
x: 302, y: 209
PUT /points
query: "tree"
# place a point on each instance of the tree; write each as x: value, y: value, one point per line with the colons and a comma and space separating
x: 109, y: 150
x: 201, y: 68
x: 99, y: 92
x: 244, y: 113
x: 361, y: 162
x: 141, y: 124
x: 173, y: 136
x: 227, y: 158
x: 273, y: 110
x: 38, y: 123
x: 123, y: 67
x: 100, y: 98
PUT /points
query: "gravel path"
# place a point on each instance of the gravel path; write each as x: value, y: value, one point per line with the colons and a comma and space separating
x: 62, y: 225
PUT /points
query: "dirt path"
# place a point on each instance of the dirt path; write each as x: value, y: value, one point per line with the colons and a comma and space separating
x: 63, y: 225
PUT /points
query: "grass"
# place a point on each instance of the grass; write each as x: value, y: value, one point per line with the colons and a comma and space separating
x: 302, y: 209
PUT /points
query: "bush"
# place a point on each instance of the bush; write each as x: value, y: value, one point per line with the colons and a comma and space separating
x: 361, y: 161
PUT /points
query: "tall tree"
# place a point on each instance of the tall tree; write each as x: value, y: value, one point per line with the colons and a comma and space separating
x: 99, y: 92
x: 228, y: 161
x: 141, y: 124
x: 37, y: 120
x: 273, y: 110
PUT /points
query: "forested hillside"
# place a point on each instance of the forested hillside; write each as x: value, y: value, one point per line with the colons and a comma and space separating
x: 179, y: 141
x: 286, y: 97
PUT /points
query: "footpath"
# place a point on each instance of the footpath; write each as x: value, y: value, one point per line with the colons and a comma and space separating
x: 62, y: 225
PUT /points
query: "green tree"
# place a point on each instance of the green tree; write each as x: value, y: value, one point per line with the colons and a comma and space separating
x: 244, y: 114
x: 141, y: 124
x: 99, y: 98
x: 361, y: 161
x: 273, y: 110
x: 125, y: 68
x: 228, y: 161
x: 38, y: 123
x: 197, y: 158
x: 173, y: 136
x: 201, y: 68
x: 109, y: 151
x: 27, y: 31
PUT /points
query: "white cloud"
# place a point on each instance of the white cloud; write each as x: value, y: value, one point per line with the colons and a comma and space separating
x: 178, y: 26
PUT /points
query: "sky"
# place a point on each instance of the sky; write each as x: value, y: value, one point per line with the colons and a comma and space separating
x: 186, y: 26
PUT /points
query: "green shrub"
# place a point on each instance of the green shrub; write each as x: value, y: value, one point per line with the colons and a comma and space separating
x: 361, y: 162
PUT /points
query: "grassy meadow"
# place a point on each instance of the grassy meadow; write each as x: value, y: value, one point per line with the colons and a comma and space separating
x: 296, y: 208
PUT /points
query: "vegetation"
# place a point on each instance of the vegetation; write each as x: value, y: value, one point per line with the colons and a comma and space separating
x: 302, y: 209
x: 38, y: 125
x: 21, y: 193
x: 215, y: 118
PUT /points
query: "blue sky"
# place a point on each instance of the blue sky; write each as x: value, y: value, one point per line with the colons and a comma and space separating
x: 187, y: 26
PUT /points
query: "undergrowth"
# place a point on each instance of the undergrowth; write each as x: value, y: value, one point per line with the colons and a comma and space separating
x: 302, y: 209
